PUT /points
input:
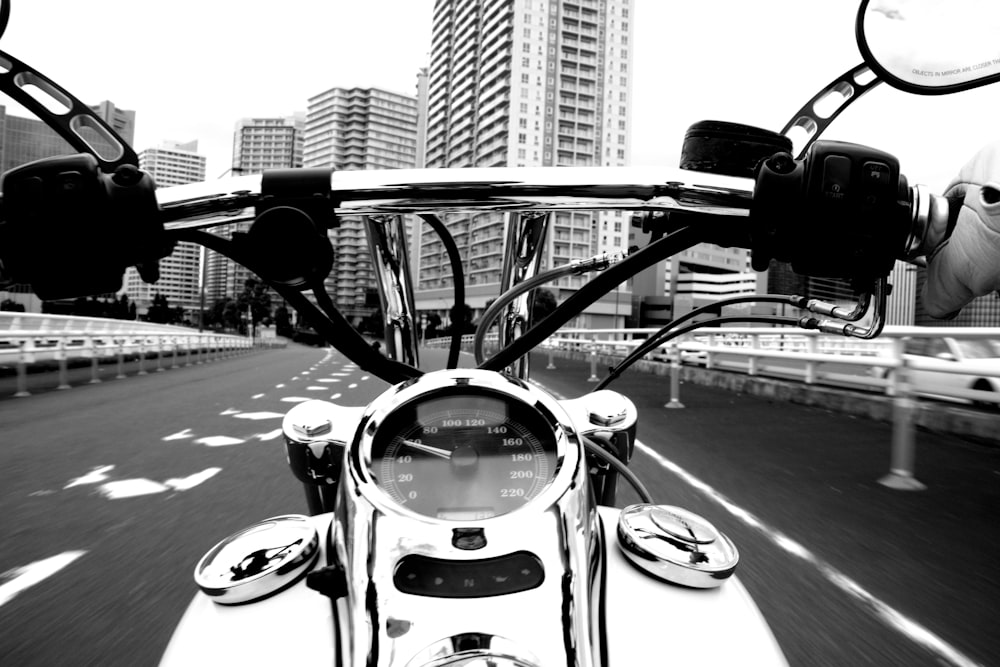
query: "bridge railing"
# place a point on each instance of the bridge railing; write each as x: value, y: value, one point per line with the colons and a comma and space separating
x: 31, y: 338
x: 806, y: 356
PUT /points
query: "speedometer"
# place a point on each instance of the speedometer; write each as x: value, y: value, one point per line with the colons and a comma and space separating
x: 464, y: 457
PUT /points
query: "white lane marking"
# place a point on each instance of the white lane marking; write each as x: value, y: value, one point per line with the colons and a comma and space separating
x: 328, y: 380
x: 270, y: 435
x: 26, y: 576
x: 894, y: 619
x: 180, y: 435
x: 229, y: 411
x: 364, y: 377
x: 335, y: 397
x: 315, y: 388
x: 260, y: 415
x: 191, y: 481
x: 888, y: 615
x: 295, y: 378
x: 279, y: 386
x: 43, y: 492
x: 352, y: 385
x: 218, y: 441
x: 257, y: 396
x: 295, y: 399
x: 130, y: 488
x: 305, y: 372
x: 96, y: 475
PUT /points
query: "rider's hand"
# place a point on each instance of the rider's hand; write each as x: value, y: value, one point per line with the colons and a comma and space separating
x: 967, y: 264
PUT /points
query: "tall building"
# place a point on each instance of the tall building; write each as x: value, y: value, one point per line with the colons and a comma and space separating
x: 29, y: 139
x: 902, y: 301
x: 172, y: 163
x: 526, y: 83
x: 258, y: 144
x: 268, y: 143
x: 351, y: 129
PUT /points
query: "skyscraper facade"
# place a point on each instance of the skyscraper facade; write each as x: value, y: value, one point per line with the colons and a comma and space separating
x: 172, y: 163
x: 351, y: 129
x: 525, y: 83
x: 258, y: 144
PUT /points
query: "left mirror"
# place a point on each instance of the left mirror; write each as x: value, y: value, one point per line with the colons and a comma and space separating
x: 931, y: 47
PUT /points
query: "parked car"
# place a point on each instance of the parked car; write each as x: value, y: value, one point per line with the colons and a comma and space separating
x: 940, y: 366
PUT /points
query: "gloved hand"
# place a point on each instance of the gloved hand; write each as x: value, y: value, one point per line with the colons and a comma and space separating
x: 967, y: 264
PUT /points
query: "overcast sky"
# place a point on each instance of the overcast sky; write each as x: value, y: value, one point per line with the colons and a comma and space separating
x: 191, y: 68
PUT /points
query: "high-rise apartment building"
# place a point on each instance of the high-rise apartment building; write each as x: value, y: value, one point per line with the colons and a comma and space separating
x: 172, y: 163
x: 258, y: 144
x: 526, y: 83
x: 350, y: 129
x: 268, y: 143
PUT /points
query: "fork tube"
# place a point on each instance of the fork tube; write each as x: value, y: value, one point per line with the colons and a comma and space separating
x: 390, y: 259
x: 524, y: 244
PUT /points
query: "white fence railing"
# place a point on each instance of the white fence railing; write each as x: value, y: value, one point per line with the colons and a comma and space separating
x: 806, y: 356
x: 31, y: 338
x: 816, y: 358
x: 882, y: 364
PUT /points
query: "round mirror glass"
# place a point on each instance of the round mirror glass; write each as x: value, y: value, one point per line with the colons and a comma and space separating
x: 931, y: 46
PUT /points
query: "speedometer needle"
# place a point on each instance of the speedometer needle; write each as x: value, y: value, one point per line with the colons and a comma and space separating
x: 436, y: 451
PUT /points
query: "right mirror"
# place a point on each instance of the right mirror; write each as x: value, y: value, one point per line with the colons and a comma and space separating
x: 931, y: 47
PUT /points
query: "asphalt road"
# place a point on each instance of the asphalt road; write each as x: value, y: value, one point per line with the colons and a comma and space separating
x: 118, y: 488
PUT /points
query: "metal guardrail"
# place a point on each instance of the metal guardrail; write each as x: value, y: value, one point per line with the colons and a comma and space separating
x: 806, y: 356
x: 31, y: 338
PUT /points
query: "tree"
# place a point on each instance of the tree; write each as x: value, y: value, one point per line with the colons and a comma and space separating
x: 159, y: 311
x: 545, y: 303
x: 257, y: 297
x: 283, y: 322
x: 433, y: 323
x: 11, y: 306
x: 461, y: 317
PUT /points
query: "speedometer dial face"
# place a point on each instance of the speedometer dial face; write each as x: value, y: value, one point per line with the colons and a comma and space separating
x: 464, y: 457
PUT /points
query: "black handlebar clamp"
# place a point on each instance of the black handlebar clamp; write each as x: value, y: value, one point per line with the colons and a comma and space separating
x: 288, y: 243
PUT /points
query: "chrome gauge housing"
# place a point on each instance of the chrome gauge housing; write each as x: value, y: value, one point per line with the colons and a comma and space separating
x: 466, y: 528
x: 464, y: 446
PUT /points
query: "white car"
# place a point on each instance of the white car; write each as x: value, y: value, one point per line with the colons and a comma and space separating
x: 941, y: 366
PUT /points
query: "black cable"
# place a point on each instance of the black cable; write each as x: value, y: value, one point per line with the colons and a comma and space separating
x: 620, y: 368
x: 332, y: 326
x: 592, y: 447
x: 457, y: 279
x: 659, y: 250
x: 655, y: 341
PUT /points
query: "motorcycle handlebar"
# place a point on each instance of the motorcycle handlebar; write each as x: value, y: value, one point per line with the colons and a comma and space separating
x: 400, y: 191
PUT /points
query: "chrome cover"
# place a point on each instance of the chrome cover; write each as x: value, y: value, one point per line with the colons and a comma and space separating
x: 553, y: 623
x: 676, y: 545
x: 390, y: 259
x: 395, y: 191
x: 524, y: 245
x: 258, y: 561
